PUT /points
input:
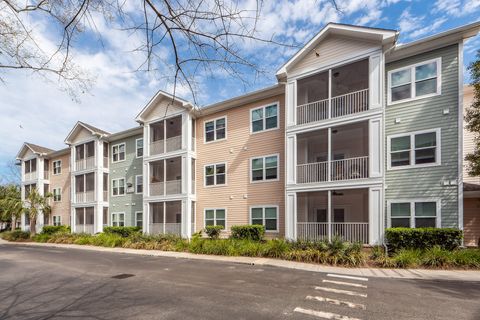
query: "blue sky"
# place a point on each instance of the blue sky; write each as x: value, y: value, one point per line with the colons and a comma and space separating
x: 35, y: 110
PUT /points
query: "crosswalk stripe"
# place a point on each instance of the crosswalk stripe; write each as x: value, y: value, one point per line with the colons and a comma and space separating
x: 350, y: 293
x: 346, y: 277
x: 322, y: 314
x: 337, y: 302
x: 358, y: 285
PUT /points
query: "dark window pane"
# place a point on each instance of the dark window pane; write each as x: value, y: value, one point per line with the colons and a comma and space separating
x: 209, y: 222
x: 257, y: 221
x: 257, y: 175
x: 221, y: 223
x: 425, y: 71
x: 401, y: 77
x: 271, y: 122
x: 220, y: 168
x: 220, y: 133
x: 257, y: 125
x: 210, y: 136
x: 209, y: 126
x: 270, y: 224
x: 400, y: 143
x: 210, y: 180
x: 426, y: 87
x: 400, y: 223
x: 221, y: 179
x: 400, y: 158
x: 401, y: 92
x: 220, y: 123
x: 425, y: 209
x: 425, y: 222
x: 400, y: 209
x: 257, y: 213
x: 425, y: 156
x: 424, y: 140
x: 271, y: 173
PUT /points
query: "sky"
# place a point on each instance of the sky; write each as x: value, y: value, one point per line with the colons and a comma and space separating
x: 38, y: 111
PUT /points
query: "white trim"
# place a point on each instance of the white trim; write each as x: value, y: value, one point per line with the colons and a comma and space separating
x: 263, y: 207
x: 214, y: 120
x: 53, y: 167
x: 263, y: 177
x: 214, y: 175
x: 264, y: 119
x: 118, y: 215
x: 59, y: 220
x: 460, y: 137
x: 124, y: 187
x: 124, y: 152
x: 136, y: 218
x: 438, y: 217
x: 214, y: 216
x: 413, y: 95
x: 136, y: 184
x: 136, y: 148
x: 438, y: 149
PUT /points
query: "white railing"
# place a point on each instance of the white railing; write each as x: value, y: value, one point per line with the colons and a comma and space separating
x: 348, y: 231
x: 350, y: 169
x: 157, y: 189
x: 173, y: 144
x: 166, y: 228
x: 312, y: 172
x: 84, y: 228
x: 313, y: 111
x: 30, y: 176
x: 87, y: 196
x: 350, y: 103
x: 157, y: 147
x: 85, y: 164
x: 173, y: 187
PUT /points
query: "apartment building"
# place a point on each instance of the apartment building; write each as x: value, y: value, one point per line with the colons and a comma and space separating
x: 360, y: 133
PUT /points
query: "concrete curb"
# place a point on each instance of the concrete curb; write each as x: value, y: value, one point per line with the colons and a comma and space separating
x: 424, y: 274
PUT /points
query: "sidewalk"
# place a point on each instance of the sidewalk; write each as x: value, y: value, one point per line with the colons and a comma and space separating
x: 458, y: 275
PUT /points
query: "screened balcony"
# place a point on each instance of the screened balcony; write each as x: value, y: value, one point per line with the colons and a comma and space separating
x: 166, y: 135
x: 85, y: 188
x: 166, y: 217
x: 84, y: 220
x: 85, y: 156
x: 347, y: 219
x: 345, y: 157
x: 30, y: 170
x: 166, y: 177
x: 333, y: 93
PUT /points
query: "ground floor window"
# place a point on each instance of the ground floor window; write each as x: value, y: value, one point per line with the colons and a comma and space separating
x: 215, y: 217
x: 57, y: 220
x: 139, y: 219
x: 414, y: 214
x: 266, y: 216
x: 118, y: 219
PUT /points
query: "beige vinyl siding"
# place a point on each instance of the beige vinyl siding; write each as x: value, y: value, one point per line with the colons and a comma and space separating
x: 468, y: 137
x: 422, y: 114
x: 239, y: 194
x: 61, y: 208
x: 471, y: 216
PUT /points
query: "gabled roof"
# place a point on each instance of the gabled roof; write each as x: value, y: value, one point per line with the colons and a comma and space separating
x: 79, y: 125
x: 365, y: 33
x: 36, y: 149
x: 158, y: 97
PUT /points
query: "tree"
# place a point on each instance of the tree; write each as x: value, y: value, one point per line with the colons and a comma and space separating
x: 11, y: 206
x: 35, y: 203
x: 472, y: 117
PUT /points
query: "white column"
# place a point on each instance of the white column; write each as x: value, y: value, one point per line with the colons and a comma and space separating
x: 291, y: 105
x: 290, y: 159
x: 291, y: 216
x: 375, y: 81
x: 329, y: 214
x: 376, y: 219
x: 185, y: 174
x: 146, y: 217
x: 375, y: 147
x: 98, y: 218
x: 186, y: 131
x: 40, y: 188
x: 186, y: 218
x: 329, y: 93
x: 329, y: 154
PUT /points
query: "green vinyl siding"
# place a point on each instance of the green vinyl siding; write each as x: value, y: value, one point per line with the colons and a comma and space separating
x: 128, y: 169
x: 423, y: 114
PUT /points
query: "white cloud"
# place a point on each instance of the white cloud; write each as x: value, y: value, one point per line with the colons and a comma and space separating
x: 414, y: 26
x: 456, y: 8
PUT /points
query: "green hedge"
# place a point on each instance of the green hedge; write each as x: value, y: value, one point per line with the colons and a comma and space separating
x: 213, y: 231
x: 122, y: 231
x: 248, y: 232
x: 54, y: 229
x: 423, y: 238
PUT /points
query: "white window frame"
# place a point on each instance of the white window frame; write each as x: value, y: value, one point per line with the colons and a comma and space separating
x: 214, y: 175
x: 59, y: 220
x: 136, y: 184
x: 124, y: 152
x: 263, y: 216
x: 214, y: 216
x: 214, y: 129
x: 124, y: 187
x: 57, y: 191
x: 117, y: 220
x: 264, y: 169
x: 412, y: 67
x: 438, y: 219
x: 438, y: 150
x: 277, y: 104
x: 136, y: 148
x: 59, y: 167
x: 136, y: 218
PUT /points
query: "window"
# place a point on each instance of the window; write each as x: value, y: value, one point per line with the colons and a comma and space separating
x: 215, y: 217
x: 264, y: 168
x: 57, y: 220
x: 414, y: 214
x: 416, y: 81
x: 266, y: 216
x: 57, y: 194
x: 118, y: 219
x: 139, y: 219
x: 118, y: 152
x: 118, y: 187
x: 215, y: 129
x: 139, y: 184
x: 139, y: 147
x: 215, y: 174
x: 414, y: 149
x: 57, y: 167
x: 264, y: 118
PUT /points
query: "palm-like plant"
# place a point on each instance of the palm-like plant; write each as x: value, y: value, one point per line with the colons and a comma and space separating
x: 34, y: 204
x: 11, y: 206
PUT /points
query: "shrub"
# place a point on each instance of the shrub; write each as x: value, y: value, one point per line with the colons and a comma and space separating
x: 407, y: 258
x: 54, y: 229
x: 122, y: 231
x: 41, y: 237
x: 436, y: 257
x: 249, y: 232
x: 468, y: 258
x: 213, y: 232
x: 276, y: 248
x: 423, y: 238
x: 16, y: 235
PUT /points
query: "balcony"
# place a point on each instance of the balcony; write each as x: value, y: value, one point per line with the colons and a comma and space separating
x: 85, y: 164
x: 166, y: 217
x: 85, y: 188
x: 347, y: 220
x: 84, y: 220
x: 334, y: 93
x: 166, y: 136
x: 166, y: 177
x: 84, y: 197
x: 30, y: 176
x: 85, y: 156
x: 345, y: 157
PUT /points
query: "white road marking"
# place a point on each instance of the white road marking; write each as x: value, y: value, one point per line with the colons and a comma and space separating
x: 337, y: 302
x: 324, y: 315
x: 358, y: 285
x: 350, y: 293
x: 346, y: 277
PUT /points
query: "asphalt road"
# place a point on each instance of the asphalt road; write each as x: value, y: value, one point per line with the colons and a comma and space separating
x: 56, y: 283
